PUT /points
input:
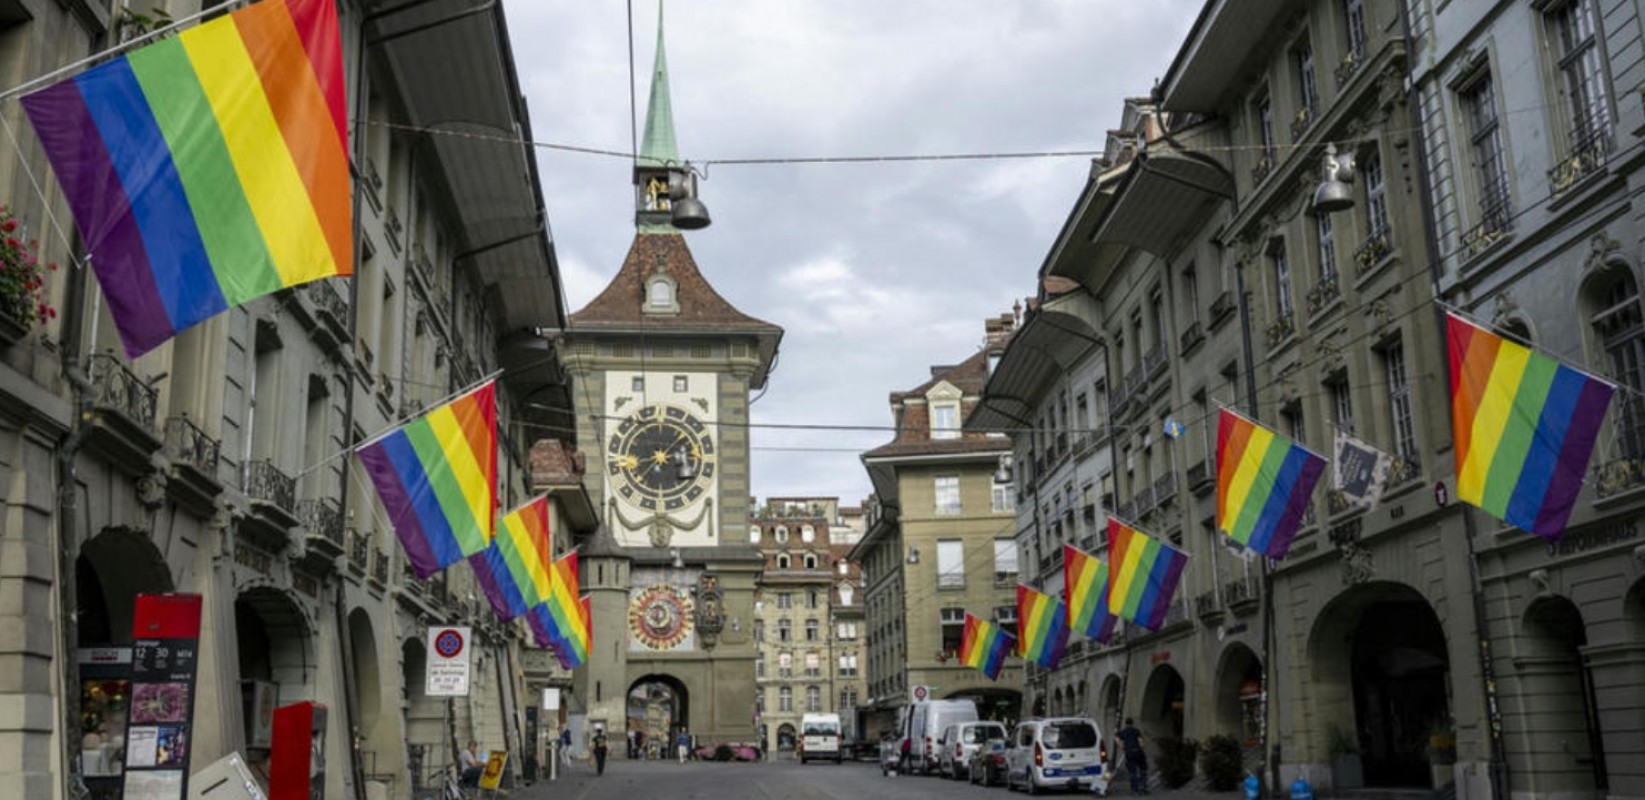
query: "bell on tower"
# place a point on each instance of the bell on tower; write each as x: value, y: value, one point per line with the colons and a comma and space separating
x: 665, y: 196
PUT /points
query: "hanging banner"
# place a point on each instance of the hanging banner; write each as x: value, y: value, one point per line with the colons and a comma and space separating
x: 1361, y: 471
x: 165, y: 633
x: 448, y: 669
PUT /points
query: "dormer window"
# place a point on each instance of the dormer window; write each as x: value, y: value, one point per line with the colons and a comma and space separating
x: 944, y: 402
x: 660, y: 297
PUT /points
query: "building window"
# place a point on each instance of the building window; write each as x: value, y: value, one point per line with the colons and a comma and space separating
x: 785, y: 698
x: 1309, y: 98
x: 753, y: 534
x: 662, y: 294
x: 1621, y: 328
x: 945, y: 421
x: 847, y: 630
x: 785, y: 600
x: 1399, y: 403
x: 1376, y: 197
x: 848, y: 669
x: 811, y: 598
x: 1003, y: 499
x: 808, y: 534
x: 950, y: 564
x: 948, y: 494
x: 1005, y: 561
x: 1265, y: 134
x: 638, y: 384
x: 1489, y: 161
x: 759, y: 630
x: 810, y: 561
x: 1327, y: 248
x: 953, y: 630
x: 1342, y: 403
x: 844, y: 567
x: 1190, y: 290
x: 813, y: 699
x: 1006, y: 618
x: 1355, y: 13
x: 1572, y: 27
x: 813, y: 665
x: 759, y: 668
x: 1291, y: 420
x: 682, y: 383
x: 782, y: 534
x: 785, y: 630
x: 1282, y: 281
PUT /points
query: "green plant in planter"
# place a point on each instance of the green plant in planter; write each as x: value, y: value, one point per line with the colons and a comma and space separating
x: 1222, y: 763
x: 1176, y: 760
x: 22, y: 277
x: 1342, y: 742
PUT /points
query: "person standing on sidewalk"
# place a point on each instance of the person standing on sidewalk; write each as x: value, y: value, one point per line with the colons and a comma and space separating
x: 599, y: 751
x: 565, y: 745
x: 1136, y: 759
x: 682, y: 744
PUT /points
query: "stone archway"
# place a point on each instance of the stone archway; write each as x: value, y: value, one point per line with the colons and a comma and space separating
x: 425, y: 732
x: 785, y: 738
x: 276, y: 650
x: 367, y: 678
x: 1110, y: 705
x: 1551, y: 668
x: 113, y: 568
x: 658, y: 706
x: 1238, y: 694
x: 1163, y: 702
x: 1382, y: 678
x: 992, y: 703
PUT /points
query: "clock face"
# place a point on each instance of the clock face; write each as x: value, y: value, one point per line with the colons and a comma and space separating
x: 659, y: 617
x: 660, y: 457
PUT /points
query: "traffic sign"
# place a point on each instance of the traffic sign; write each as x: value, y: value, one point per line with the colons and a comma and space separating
x: 448, y: 669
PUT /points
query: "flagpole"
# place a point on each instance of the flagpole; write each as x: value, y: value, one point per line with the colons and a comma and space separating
x: 397, y: 423
x: 1299, y: 445
x: 49, y: 77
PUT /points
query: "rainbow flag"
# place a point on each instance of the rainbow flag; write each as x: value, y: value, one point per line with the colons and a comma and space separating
x: 513, y: 569
x: 1085, y: 582
x: 561, y: 614
x: 208, y: 168
x: 1524, y: 427
x: 1264, y: 483
x: 984, y: 645
x: 1042, y: 627
x: 1142, y: 576
x: 437, y: 478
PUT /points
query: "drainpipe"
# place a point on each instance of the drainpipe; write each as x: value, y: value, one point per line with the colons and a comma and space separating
x: 68, y: 529
x: 1499, y: 776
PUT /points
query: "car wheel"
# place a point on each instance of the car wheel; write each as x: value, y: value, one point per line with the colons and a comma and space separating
x: 1032, y: 787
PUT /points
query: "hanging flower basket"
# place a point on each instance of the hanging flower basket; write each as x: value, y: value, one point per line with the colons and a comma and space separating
x: 23, y: 298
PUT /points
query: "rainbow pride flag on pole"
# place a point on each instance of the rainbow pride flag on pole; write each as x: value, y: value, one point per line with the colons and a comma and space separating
x: 208, y: 168
x: 561, y: 615
x: 1143, y: 575
x: 437, y: 478
x: 1042, y: 627
x: 984, y: 645
x: 513, y: 569
x: 1085, y: 582
x: 1524, y: 425
x: 1264, y: 483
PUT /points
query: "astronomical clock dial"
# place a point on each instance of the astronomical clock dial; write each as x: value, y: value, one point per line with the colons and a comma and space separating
x: 660, y: 457
x: 659, y: 617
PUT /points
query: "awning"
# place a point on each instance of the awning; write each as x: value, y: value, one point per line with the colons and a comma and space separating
x: 1217, y: 53
x: 1046, y: 347
x: 453, y: 57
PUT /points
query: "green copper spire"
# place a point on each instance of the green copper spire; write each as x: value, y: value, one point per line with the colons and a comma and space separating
x: 658, y: 149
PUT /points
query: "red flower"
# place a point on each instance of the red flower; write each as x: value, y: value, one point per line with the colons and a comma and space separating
x: 8, y: 226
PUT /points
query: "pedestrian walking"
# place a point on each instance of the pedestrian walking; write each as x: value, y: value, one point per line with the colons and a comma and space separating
x: 682, y: 745
x: 565, y: 745
x: 1136, y: 758
x: 633, y: 743
x: 599, y: 751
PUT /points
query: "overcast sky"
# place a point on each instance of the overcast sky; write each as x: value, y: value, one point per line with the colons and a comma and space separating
x: 875, y: 271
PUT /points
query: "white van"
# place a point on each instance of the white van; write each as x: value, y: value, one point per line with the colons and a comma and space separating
x: 926, y: 722
x: 820, y: 737
x: 961, y: 741
x: 1057, y: 753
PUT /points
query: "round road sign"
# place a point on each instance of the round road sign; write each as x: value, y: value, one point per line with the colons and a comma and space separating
x: 449, y: 643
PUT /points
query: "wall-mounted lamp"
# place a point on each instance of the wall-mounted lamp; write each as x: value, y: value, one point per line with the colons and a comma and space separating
x: 913, y: 555
x: 683, y: 464
x: 1004, y: 473
x: 674, y: 553
x: 687, y: 211
x: 1335, y: 192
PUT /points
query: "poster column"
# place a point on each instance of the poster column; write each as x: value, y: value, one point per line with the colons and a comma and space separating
x: 164, y: 656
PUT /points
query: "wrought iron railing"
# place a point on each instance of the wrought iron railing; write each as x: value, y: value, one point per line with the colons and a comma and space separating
x: 1206, y: 605
x: 1145, y: 501
x: 1495, y: 219
x: 1264, y: 165
x: 266, y: 482
x: 1323, y: 293
x: 1281, y: 328
x: 1618, y: 475
x: 1222, y: 307
x: 1350, y: 65
x: 119, y: 389
x: 187, y: 443
x: 359, y: 552
x: 1165, y: 487
x: 1590, y: 149
x: 379, y: 567
x: 1241, y: 590
x: 1154, y: 361
x: 1404, y: 468
x: 1191, y: 336
x: 1371, y: 251
x: 1300, y: 123
x: 324, y: 519
x: 326, y: 298
x: 1199, y: 475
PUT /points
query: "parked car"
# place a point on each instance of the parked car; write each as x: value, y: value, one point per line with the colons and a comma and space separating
x: 987, y: 764
x: 924, y: 723
x: 962, y: 740
x: 1058, y: 753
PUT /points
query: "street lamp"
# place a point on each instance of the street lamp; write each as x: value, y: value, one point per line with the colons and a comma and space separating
x: 1335, y: 192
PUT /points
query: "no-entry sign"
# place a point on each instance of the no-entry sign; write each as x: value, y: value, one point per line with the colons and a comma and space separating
x: 447, y: 662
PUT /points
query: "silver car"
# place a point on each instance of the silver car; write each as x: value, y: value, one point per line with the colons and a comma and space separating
x: 960, y: 742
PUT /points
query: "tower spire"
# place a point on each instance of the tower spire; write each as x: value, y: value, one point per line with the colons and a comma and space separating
x: 658, y: 148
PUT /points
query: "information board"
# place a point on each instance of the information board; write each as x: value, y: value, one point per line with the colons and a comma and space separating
x: 448, y: 669
x: 165, y: 634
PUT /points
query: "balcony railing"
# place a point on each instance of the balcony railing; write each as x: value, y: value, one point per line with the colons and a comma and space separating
x: 1206, y: 605
x: 1191, y: 337
x: 1281, y: 328
x: 379, y: 567
x: 1371, y: 251
x: 1264, y: 165
x: 1404, y: 468
x: 1492, y: 228
x: 328, y: 300
x: 119, y: 389
x: 1589, y: 151
x: 1323, y: 294
x: 1618, y: 475
x: 1165, y: 487
x: 1240, y: 591
x: 1154, y: 361
x: 1222, y: 308
x: 1350, y: 65
x: 323, y: 519
x: 188, y: 444
x: 266, y: 482
x: 359, y: 552
x: 1300, y: 123
x: 1199, y: 475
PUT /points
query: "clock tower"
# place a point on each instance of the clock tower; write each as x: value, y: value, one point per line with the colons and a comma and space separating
x: 662, y: 368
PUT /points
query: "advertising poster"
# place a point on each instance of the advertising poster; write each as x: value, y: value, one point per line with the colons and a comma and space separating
x: 164, y: 658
